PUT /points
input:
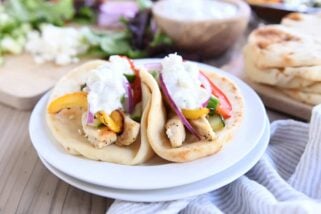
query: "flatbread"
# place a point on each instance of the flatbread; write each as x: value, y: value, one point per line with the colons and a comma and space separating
x: 306, y: 97
x: 314, y: 88
x: 191, y: 151
x: 288, y: 56
x: 289, y: 77
x: 276, y: 46
x: 307, y: 23
x: 66, y: 129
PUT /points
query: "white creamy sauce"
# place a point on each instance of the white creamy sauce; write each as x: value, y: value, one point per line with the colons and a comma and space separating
x: 106, y: 85
x: 121, y: 64
x: 197, y: 10
x: 182, y: 81
x: 60, y: 45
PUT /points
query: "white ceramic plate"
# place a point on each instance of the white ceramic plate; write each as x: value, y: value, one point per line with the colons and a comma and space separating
x: 152, y: 176
x: 209, y: 184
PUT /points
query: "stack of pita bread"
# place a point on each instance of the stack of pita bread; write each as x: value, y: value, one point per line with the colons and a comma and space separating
x: 288, y: 56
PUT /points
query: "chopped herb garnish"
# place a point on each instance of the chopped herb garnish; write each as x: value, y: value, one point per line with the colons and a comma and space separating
x: 155, y: 74
x: 217, y: 122
x: 212, y: 105
x: 100, y: 125
x: 83, y: 86
x: 130, y: 77
x: 122, y: 99
x: 137, y: 118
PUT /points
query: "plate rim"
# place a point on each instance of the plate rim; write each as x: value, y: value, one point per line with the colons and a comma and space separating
x: 207, y: 183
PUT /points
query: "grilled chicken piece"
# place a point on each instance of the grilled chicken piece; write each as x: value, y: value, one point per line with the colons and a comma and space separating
x: 98, y: 137
x: 130, y: 132
x: 203, y: 127
x: 175, y: 131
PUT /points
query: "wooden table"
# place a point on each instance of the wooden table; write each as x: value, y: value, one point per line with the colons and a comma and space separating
x: 26, y: 186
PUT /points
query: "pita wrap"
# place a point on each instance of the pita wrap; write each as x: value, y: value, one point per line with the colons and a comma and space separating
x: 191, y: 149
x: 307, y: 23
x: 306, y: 97
x: 314, y: 88
x: 289, y: 77
x: 276, y: 46
x: 66, y: 125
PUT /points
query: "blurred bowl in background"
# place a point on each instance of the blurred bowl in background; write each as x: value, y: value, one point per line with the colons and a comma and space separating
x: 205, y: 27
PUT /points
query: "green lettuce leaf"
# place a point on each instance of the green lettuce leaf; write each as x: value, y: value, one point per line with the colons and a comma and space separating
x: 39, y: 11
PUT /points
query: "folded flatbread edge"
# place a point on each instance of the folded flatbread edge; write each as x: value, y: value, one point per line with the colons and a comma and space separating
x: 191, y: 151
x: 66, y: 132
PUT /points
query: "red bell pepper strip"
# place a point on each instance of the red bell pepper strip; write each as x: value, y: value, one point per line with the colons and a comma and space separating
x: 224, y: 108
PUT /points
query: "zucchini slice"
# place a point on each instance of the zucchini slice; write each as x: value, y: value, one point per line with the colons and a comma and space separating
x: 217, y: 122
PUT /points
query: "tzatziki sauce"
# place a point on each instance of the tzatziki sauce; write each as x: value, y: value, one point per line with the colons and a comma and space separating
x: 182, y: 82
x: 197, y: 10
x: 106, y: 85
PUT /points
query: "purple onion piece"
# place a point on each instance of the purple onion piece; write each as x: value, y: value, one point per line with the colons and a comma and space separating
x: 204, y: 104
x: 90, y: 117
x: 129, y: 101
x: 175, y: 108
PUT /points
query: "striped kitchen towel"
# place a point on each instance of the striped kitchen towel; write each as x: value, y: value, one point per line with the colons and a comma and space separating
x: 287, y: 179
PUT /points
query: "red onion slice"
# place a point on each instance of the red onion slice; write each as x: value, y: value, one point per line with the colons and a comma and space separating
x: 129, y: 101
x: 175, y: 108
x: 90, y: 117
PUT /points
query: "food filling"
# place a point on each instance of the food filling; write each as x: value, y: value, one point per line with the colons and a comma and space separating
x: 104, y: 80
x: 107, y: 97
x: 196, y: 105
x: 182, y: 81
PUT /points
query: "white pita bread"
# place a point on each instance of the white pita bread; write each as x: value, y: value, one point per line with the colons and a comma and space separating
x: 288, y: 56
x: 310, y: 24
x: 197, y: 149
x: 314, y: 88
x: 66, y: 130
x: 276, y: 46
x: 306, y: 97
x: 283, y: 77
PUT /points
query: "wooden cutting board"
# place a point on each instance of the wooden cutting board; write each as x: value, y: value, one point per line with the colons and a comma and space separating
x: 23, y: 82
x: 271, y: 97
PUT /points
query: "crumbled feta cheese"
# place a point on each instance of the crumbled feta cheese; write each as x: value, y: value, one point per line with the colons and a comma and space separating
x: 60, y: 45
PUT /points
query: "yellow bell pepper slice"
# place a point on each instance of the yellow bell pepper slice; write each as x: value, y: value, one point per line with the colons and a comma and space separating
x: 77, y: 99
x: 193, y: 114
x: 114, y: 121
